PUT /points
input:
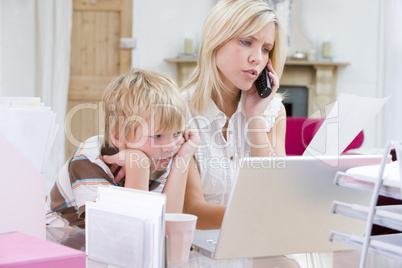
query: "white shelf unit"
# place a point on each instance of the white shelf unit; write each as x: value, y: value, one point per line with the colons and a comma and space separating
x: 383, y: 179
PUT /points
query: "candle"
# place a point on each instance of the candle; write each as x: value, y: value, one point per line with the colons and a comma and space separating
x: 311, y: 55
x: 326, y: 49
x: 188, y: 46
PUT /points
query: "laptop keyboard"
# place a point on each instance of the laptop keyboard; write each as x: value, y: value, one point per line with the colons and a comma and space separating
x: 206, y: 240
x: 212, y: 241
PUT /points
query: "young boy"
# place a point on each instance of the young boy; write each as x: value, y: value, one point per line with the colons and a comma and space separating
x: 144, y: 133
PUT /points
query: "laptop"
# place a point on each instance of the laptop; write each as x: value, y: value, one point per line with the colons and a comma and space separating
x: 282, y: 206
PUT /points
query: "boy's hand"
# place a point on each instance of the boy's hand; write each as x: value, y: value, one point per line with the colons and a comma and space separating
x: 119, y: 160
x: 191, y: 142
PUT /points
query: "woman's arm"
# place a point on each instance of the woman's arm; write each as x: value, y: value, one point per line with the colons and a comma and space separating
x: 209, y: 216
x: 263, y: 143
x: 271, y: 143
x: 277, y: 135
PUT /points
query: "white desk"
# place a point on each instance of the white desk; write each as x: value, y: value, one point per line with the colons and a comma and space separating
x: 339, y: 259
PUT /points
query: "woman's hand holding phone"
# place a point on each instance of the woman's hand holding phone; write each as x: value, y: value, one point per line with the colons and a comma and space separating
x: 266, y: 86
x: 263, y: 83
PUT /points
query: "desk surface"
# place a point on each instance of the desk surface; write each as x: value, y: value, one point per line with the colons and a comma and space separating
x: 339, y: 259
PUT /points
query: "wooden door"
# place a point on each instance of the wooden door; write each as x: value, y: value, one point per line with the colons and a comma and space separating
x: 96, y: 58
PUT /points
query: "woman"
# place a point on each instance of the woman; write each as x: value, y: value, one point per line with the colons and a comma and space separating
x: 240, y: 38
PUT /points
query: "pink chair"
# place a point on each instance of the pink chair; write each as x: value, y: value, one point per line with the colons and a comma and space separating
x: 301, y: 130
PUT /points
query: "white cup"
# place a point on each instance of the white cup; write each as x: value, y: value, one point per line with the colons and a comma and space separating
x: 180, y: 232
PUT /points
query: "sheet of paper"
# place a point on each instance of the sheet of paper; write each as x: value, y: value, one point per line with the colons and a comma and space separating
x: 114, y: 237
x: 152, y: 206
x: 390, y: 176
x: 27, y: 101
x: 142, y: 214
x: 349, y: 115
x: 29, y: 126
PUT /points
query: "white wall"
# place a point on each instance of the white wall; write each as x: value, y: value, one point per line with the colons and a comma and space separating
x: 353, y: 32
x: 160, y: 28
x: 353, y: 27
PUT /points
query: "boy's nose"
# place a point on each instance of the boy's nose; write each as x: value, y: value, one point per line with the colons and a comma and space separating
x: 170, y: 147
x: 167, y: 148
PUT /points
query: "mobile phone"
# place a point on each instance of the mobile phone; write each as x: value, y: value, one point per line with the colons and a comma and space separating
x: 263, y: 84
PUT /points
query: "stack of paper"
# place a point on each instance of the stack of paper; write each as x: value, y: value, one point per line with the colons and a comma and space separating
x: 387, y: 216
x: 27, y: 132
x: 387, y: 245
x: 365, y: 177
x: 125, y: 227
x: 30, y: 126
x: 384, y: 179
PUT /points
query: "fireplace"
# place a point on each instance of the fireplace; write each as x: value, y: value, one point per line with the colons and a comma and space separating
x: 319, y: 78
x: 295, y: 100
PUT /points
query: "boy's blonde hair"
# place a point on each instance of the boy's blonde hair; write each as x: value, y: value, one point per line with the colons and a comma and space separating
x: 140, y: 96
x: 230, y: 19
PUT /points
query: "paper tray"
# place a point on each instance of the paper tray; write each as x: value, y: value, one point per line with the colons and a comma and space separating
x: 346, y: 180
x: 387, y: 216
x: 386, y: 245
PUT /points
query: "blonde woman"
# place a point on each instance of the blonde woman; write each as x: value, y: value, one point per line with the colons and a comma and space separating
x: 239, y: 39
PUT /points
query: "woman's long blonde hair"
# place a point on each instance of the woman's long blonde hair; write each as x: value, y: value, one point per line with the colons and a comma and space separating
x: 227, y: 20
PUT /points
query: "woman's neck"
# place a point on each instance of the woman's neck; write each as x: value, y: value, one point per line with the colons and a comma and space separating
x: 230, y: 101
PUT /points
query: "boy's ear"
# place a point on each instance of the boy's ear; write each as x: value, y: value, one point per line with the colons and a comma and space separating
x: 114, y: 137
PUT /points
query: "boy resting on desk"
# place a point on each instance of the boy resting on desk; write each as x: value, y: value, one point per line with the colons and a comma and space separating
x: 144, y: 133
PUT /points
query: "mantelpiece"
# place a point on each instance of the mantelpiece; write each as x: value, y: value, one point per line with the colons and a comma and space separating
x: 184, y: 67
x: 318, y: 76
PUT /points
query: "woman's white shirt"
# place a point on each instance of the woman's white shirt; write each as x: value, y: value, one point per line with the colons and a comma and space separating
x: 218, y: 159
